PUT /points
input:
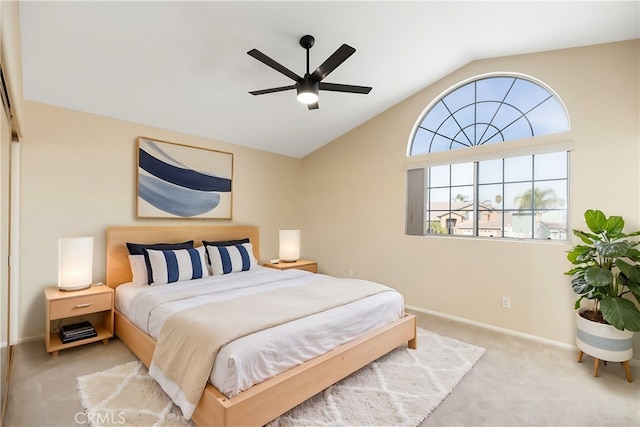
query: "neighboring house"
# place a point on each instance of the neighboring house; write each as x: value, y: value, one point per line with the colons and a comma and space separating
x: 548, y: 224
x: 489, y: 223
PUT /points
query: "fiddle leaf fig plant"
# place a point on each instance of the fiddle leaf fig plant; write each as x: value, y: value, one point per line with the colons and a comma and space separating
x: 607, y: 270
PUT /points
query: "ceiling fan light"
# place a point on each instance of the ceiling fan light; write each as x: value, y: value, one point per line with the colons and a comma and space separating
x: 307, y: 92
x: 307, y: 97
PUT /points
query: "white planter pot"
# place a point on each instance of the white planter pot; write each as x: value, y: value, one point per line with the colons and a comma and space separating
x: 602, y: 341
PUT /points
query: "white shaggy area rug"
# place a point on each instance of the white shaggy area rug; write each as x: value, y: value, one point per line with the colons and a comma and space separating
x: 401, y: 389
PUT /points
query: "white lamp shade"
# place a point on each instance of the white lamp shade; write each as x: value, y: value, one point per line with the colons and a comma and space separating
x: 289, y: 245
x: 75, y: 262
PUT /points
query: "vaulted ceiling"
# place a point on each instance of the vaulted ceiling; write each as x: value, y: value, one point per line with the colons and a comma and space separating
x: 183, y: 66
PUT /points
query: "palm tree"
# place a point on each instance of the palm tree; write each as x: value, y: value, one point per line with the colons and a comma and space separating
x: 541, y: 198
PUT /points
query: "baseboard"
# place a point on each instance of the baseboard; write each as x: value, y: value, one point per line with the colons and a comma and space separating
x: 29, y: 339
x: 632, y: 362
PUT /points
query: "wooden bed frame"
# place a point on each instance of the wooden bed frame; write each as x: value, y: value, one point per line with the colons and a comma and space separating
x: 265, y: 401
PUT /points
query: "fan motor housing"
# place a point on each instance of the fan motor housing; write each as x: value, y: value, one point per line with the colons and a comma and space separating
x: 307, y: 41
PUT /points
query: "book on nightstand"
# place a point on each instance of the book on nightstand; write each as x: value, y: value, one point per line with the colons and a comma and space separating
x: 77, y: 331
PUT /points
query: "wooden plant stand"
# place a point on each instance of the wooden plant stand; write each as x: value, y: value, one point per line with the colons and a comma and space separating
x: 596, y: 366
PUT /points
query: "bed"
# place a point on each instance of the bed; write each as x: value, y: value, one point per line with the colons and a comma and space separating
x: 268, y: 399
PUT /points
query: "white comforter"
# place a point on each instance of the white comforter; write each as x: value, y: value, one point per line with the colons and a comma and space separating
x: 254, y: 358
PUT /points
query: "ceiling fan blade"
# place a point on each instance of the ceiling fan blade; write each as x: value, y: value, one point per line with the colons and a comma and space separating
x: 334, y: 87
x: 273, y: 64
x: 272, y: 90
x: 332, y: 62
x: 313, y: 106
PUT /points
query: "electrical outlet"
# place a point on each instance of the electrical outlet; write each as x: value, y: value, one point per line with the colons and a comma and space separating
x: 350, y: 272
x: 506, y: 302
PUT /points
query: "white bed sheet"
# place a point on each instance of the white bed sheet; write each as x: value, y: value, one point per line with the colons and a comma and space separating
x: 259, y: 356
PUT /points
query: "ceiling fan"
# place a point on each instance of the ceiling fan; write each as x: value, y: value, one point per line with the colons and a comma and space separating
x: 309, y: 85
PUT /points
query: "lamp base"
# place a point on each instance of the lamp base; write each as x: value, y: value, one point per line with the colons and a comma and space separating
x: 74, y: 288
x: 288, y: 260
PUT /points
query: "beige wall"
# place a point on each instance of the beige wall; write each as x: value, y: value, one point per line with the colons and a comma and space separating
x: 354, y: 203
x: 78, y: 177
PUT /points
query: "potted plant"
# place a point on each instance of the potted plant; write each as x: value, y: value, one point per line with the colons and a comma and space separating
x: 607, y: 272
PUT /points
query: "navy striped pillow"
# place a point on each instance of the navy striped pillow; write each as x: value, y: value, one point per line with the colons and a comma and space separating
x: 230, y: 259
x: 141, y: 249
x: 170, y: 266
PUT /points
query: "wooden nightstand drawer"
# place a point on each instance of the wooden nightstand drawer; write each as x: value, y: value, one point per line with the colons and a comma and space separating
x: 80, y: 305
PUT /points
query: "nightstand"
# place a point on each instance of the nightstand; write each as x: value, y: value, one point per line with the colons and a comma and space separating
x: 61, y: 305
x: 301, y: 264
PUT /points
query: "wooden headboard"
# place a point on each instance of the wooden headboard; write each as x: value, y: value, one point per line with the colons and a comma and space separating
x: 118, y: 269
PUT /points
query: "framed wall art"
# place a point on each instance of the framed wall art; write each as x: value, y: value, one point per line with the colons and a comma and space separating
x: 181, y: 181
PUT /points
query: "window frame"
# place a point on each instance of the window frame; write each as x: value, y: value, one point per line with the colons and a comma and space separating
x: 543, y: 144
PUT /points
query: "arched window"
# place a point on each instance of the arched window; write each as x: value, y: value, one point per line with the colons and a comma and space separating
x: 486, y: 111
x: 520, y: 194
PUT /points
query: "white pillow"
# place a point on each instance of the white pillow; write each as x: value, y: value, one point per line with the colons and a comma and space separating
x: 230, y: 259
x: 138, y: 269
x: 175, y: 265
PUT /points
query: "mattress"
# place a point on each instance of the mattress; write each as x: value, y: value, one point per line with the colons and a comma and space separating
x: 259, y: 356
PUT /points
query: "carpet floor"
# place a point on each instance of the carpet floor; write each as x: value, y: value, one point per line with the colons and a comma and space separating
x: 518, y: 382
x: 401, y: 388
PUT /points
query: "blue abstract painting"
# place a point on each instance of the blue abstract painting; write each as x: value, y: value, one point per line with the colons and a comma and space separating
x: 180, y: 181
